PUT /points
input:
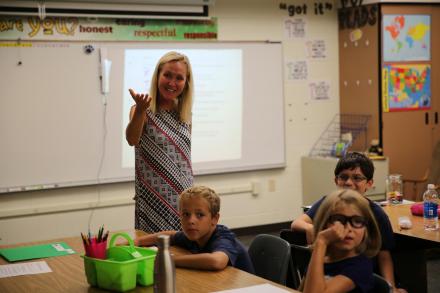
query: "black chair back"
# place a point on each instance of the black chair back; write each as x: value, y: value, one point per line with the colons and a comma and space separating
x: 381, y: 285
x: 300, y: 254
x: 270, y: 256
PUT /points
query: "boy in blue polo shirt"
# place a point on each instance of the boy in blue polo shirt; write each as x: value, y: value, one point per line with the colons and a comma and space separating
x: 213, y: 246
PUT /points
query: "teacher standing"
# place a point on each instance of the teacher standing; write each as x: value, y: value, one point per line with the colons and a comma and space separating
x: 160, y: 130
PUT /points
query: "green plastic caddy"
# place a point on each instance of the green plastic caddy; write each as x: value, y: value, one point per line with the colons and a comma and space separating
x: 124, y: 268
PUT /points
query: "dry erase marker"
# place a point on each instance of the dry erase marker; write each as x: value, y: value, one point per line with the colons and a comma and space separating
x: 15, y: 189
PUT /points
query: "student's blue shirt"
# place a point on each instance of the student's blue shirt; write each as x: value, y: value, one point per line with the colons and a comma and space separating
x: 222, y: 239
x: 359, y: 269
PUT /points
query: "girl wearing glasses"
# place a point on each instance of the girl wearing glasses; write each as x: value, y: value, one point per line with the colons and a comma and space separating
x: 347, y: 236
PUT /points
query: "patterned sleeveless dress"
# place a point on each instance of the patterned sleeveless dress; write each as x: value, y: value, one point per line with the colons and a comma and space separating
x: 163, y: 171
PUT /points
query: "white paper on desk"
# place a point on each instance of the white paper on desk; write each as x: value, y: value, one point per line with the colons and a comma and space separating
x: 27, y: 268
x: 385, y: 202
x: 265, y: 288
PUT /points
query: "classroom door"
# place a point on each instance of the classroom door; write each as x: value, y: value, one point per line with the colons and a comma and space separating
x: 409, y: 137
x: 408, y: 142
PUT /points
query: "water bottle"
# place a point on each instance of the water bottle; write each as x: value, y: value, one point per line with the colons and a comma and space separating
x: 430, y: 204
x: 164, y: 269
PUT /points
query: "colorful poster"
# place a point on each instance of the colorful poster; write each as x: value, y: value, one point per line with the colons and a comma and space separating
x: 406, y: 87
x: 82, y: 29
x: 406, y: 37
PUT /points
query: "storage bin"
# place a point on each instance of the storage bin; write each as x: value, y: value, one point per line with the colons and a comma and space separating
x: 124, y: 268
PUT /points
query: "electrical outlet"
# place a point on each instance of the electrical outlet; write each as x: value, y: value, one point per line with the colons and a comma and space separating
x: 255, y: 188
x: 271, y: 185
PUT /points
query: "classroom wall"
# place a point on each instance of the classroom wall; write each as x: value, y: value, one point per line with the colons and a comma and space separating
x: 248, y: 198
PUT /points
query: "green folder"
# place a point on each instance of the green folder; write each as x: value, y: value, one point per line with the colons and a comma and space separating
x: 36, y: 251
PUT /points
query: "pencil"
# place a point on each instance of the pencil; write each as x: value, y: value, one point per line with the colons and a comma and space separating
x: 106, y: 236
x: 84, y: 239
x: 99, y: 234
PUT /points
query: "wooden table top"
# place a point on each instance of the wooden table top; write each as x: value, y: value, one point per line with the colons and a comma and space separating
x: 417, y: 230
x: 68, y: 275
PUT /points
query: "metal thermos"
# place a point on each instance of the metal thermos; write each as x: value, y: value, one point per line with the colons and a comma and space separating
x: 164, y: 269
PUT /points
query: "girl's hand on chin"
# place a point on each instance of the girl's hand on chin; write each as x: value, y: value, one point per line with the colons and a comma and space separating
x: 334, y: 233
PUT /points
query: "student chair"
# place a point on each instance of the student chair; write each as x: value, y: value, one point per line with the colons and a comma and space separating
x: 270, y: 256
x: 381, y: 285
x: 300, y: 256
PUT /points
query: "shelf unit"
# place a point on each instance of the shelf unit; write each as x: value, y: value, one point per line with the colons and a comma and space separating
x: 340, y: 134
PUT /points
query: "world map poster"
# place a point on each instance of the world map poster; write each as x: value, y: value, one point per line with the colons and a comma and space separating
x: 406, y: 37
x: 406, y: 87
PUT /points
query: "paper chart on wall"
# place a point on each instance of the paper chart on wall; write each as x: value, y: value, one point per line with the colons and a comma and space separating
x: 316, y: 49
x: 295, y: 28
x: 296, y: 70
x: 319, y: 90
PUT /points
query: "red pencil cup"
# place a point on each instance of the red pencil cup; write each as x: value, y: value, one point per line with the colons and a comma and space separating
x: 97, y: 249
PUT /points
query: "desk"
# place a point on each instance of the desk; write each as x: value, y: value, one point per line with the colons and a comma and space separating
x: 68, y: 276
x: 411, y: 244
x: 430, y: 238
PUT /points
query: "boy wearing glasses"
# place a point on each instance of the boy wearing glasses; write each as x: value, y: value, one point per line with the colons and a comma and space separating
x: 355, y: 171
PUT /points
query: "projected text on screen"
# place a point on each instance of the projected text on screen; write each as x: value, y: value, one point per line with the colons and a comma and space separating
x: 218, y: 100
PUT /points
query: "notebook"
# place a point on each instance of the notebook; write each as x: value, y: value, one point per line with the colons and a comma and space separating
x: 36, y: 251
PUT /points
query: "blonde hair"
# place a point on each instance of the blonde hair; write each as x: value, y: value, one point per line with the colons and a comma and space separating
x: 184, y: 101
x: 371, y: 243
x: 202, y: 192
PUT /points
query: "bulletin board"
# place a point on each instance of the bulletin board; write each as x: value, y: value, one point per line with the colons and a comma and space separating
x: 359, y: 72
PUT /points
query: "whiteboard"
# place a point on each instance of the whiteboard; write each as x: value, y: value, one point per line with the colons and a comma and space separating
x: 56, y: 131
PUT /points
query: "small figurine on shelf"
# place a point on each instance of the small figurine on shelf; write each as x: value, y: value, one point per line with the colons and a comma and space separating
x: 375, y: 149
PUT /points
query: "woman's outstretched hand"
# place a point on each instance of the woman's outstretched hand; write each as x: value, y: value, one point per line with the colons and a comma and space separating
x: 142, y: 101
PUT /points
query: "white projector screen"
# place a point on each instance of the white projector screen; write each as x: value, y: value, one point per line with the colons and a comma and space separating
x: 217, y: 109
x: 52, y: 112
